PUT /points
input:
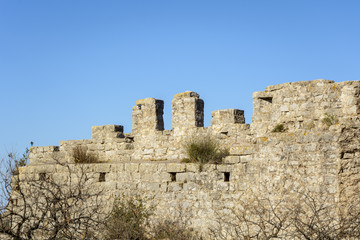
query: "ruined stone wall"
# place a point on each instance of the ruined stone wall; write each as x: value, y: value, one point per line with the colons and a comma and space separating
x: 317, y: 146
x: 173, y: 188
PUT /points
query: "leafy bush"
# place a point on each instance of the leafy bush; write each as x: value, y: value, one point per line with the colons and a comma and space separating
x: 279, y: 128
x: 128, y: 219
x: 204, y: 150
x: 174, y: 230
x: 80, y: 155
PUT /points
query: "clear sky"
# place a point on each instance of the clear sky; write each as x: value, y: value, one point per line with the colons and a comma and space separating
x: 68, y: 65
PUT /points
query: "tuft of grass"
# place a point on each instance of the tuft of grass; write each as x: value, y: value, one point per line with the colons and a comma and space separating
x: 204, y: 150
x: 329, y: 120
x: 279, y: 128
x: 80, y: 155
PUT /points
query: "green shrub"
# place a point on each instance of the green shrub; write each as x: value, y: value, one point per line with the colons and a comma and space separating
x: 80, y: 155
x: 329, y: 120
x: 279, y: 128
x: 174, y: 230
x: 128, y: 219
x: 204, y: 150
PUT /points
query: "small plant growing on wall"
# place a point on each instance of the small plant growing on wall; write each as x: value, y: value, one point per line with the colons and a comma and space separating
x: 279, y: 128
x: 19, y: 162
x: 329, y: 120
x: 80, y: 155
x: 204, y: 150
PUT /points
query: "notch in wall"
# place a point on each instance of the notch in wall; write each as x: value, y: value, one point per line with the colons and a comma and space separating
x: 102, y: 177
x: 267, y: 99
x: 173, y: 176
x: 226, y: 176
x: 42, y: 176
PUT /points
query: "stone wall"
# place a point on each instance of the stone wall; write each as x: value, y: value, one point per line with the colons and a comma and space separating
x: 317, y: 146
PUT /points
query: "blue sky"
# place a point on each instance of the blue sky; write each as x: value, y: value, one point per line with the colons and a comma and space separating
x: 68, y: 65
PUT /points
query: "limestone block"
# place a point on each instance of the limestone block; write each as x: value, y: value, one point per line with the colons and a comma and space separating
x: 101, y: 167
x: 160, y: 151
x: 163, y: 177
x: 224, y: 168
x: 147, y: 168
x: 174, y: 187
x: 184, y: 177
x: 107, y: 132
x: 206, y: 168
x: 127, y: 185
x: 232, y: 159
x: 161, y: 167
x: 153, y: 187
x: 192, y: 167
x: 176, y: 167
x: 285, y: 108
x: 26, y: 170
x: 132, y: 167
x: 108, y: 186
x: 163, y: 187
x: 191, y: 186
x: 148, y: 151
x: 241, y: 150
x: 246, y: 158
x: 118, y: 167
x: 226, y: 117
x: 348, y: 155
x: 135, y: 176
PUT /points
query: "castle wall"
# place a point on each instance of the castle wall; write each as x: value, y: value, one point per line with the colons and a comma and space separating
x: 201, y: 195
x: 317, y: 147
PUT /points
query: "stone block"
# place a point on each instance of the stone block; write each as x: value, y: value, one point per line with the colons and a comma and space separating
x: 176, y: 167
x: 148, y: 168
x: 148, y: 151
x: 208, y: 167
x: 153, y: 187
x: 132, y: 167
x: 101, y: 167
x: 174, y: 187
x: 224, y: 168
x: 191, y: 186
x: 192, y: 167
x: 241, y: 150
x: 348, y: 155
x: 117, y: 167
x: 161, y: 167
x: 231, y: 159
x: 163, y: 177
x: 182, y: 177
